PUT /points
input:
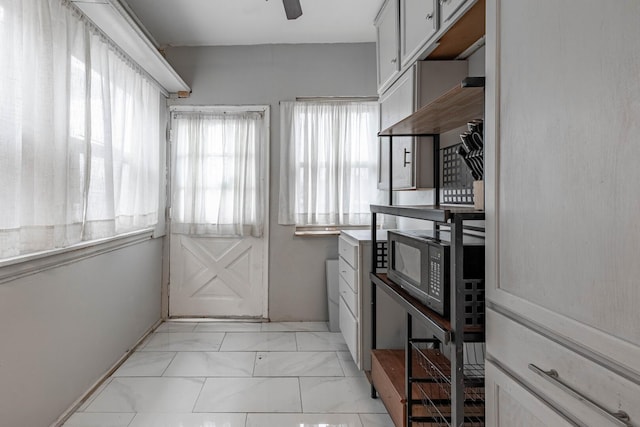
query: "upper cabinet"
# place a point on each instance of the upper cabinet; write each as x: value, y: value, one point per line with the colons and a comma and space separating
x: 418, y: 85
x: 411, y: 30
x: 418, y: 23
x: 387, y: 43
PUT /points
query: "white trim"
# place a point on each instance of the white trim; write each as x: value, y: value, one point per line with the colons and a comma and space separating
x: 267, y: 186
x: 223, y: 109
x: 115, y: 21
x: 26, y: 265
x: 266, y: 119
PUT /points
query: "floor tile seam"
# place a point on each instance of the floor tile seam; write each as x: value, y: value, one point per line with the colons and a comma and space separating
x: 298, y: 376
x: 344, y: 372
x: 195, y: 402
x: 192, y: 351
x: 201, y: 332
x: 135, y: 414
x: 175, y: 354
x: 85, y: 405
x: 300, y: 393
x: 255, y: 363
x: 240, y: 412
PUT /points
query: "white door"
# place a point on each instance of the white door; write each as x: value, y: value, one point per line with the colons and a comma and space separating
x: 219, y: 277
x: 214, y: 272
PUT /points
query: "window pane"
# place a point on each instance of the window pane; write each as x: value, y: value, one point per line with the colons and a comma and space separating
x: 335, y: 154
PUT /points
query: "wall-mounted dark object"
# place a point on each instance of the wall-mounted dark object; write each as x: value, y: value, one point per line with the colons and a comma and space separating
x: 292, y: 8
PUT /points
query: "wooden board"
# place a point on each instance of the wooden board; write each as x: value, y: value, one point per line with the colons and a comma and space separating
x: 464, y: 33
x: 388, y: 377
x: 453, y: 109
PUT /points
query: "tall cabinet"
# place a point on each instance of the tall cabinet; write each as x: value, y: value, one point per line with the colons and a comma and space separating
x: 562, y: 203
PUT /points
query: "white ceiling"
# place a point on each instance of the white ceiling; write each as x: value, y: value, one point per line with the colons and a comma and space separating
x: 248, y: 22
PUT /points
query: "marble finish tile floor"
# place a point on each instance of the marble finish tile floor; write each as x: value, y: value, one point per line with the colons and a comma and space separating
x: 214, y: 374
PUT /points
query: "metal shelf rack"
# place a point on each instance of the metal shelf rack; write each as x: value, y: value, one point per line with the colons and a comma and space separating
x: 434, y: 387
x: 456, y: 107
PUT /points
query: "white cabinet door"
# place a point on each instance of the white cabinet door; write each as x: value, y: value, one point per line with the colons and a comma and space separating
x: 387, y: 43
x: 396, y: 104
x: 413, y: 157
x: 514, y: 406
x: 562, y: 170
x: 418, y: 23
x: 448, y: 9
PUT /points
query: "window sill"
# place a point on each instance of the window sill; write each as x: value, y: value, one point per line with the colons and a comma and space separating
x: 323, y: 231
x: 316, y: 233
x: 26, y: 265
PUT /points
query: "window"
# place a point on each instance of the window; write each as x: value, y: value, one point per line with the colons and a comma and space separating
x: 328, y: 162
x: 79, y: 133
x: 218, y: 183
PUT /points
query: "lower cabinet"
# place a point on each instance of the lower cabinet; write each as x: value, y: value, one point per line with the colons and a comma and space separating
x: 354, y: 266
x: 577, y: 386
x: 514, y: 405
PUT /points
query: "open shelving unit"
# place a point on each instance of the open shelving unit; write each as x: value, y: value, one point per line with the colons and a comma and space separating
x: 438, y: 391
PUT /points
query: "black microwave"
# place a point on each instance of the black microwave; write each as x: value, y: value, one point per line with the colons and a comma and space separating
x: 419, y: 261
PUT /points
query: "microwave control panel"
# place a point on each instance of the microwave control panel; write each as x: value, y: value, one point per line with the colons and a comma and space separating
x: 435, y: 274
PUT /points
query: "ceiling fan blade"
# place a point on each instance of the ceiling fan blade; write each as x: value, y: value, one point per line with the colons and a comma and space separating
x: 292, y: 8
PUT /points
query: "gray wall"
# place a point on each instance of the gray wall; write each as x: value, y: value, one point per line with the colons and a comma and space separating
x: 267, y: 74
x: 62, y: 329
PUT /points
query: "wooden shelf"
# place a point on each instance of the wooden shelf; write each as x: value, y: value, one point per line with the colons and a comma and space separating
x: 438, y: 325
x: 455, y: 108
x: 388, y: 377
x: 430, y: 213
x: 460, y: 36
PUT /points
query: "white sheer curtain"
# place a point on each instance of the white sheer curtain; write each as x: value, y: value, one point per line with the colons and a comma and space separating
x: 328, y: 170
x: 218, y: 185
x: 60, y: 177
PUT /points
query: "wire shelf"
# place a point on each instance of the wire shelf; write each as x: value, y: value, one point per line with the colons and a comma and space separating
x: 433, y: 382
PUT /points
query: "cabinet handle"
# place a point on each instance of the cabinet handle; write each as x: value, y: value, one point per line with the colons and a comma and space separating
x: 620, y: 417
x: 406, y: 162
x: 394, y: 60
x: 430, y: 17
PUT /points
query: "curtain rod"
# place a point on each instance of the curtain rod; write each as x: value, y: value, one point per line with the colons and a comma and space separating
x: 337, y: 98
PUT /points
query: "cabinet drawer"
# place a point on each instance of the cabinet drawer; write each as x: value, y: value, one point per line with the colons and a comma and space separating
x: 349, y: 329
x: 350, y: 297
x: 513, y: 405
x: 528, y: 350
x: 348, y: 251
x: 349, y: 274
